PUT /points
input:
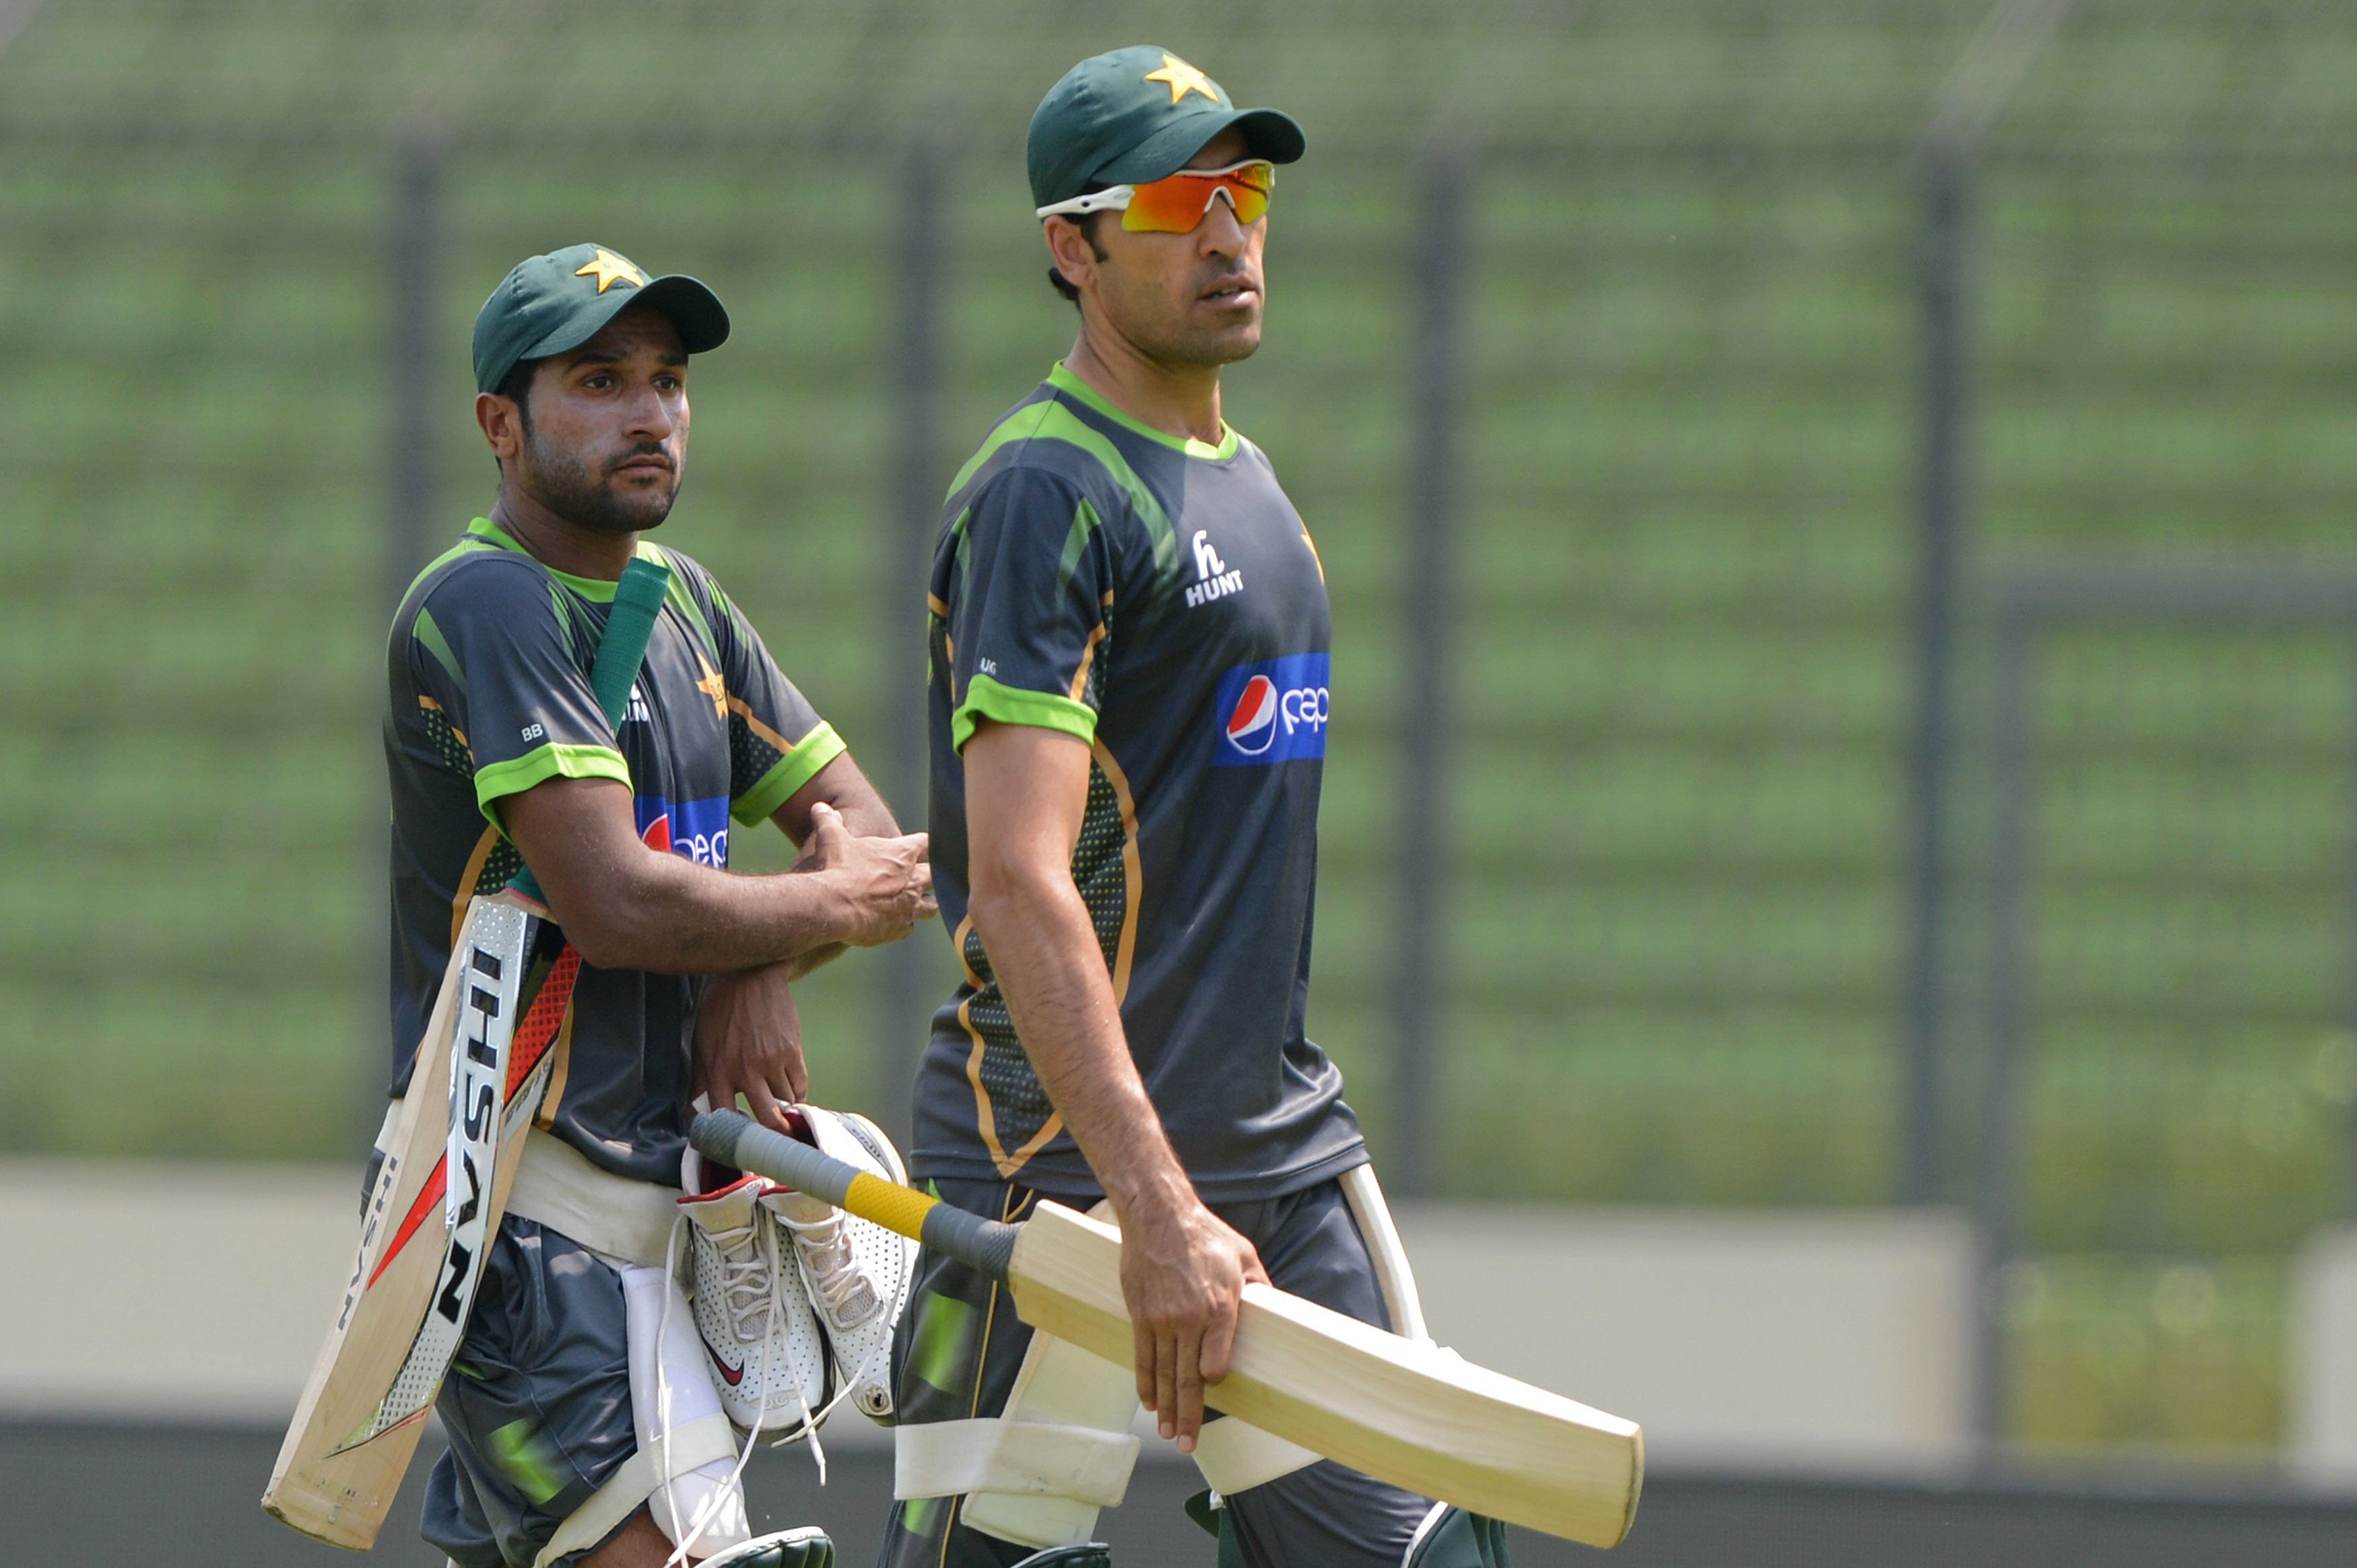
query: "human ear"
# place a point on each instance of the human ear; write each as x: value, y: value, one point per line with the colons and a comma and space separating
x: 1071, y: 249
x: 501, y: 423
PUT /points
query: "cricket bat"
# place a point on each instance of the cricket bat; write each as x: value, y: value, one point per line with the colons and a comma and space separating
x: 435, y: 1205
x: 1402, y: 1410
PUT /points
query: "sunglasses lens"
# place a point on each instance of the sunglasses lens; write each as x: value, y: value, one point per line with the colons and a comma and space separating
x: 1174, y: 205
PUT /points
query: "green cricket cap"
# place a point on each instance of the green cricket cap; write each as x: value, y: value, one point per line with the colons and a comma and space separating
x: 553, y: 303
x: 1137, y: 114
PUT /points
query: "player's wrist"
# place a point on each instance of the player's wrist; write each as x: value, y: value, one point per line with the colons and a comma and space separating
x: 1157, y: 1197
x: 830, y: 909
x: 853, y: 920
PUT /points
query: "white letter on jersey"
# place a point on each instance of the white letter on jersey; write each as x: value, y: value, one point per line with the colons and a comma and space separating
x: 1207, y: 563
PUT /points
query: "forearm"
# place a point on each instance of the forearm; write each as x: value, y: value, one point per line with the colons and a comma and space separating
x: 1182, y: 1269
x: 840, y: 784
x: 625, y: 906
x: 667, y: 915
x: 817, y: 958
x: 1044, y: 951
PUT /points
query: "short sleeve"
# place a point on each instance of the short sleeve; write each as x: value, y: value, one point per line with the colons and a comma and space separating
x: 777, y: 742
x: 1029, y: 606
x: 491, y: 651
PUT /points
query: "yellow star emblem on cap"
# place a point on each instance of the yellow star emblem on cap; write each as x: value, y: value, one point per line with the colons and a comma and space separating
x: 610, y: 270
x: 1183, y: 79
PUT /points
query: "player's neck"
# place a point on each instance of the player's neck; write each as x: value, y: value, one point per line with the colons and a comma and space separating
x: 1177, y: 400
x: 560, y: 543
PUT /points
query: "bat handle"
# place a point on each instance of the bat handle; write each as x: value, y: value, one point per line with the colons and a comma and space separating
x: 735, y: 1139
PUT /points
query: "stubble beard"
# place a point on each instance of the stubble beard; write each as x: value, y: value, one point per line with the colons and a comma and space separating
x: 562, y: 482
x: 1193, y: 345
x: 1179, y: 338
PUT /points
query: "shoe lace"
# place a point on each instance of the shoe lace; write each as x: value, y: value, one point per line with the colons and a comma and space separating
x: 833, y: 1273
x: 742, y: 1258
x: 748, y: 1268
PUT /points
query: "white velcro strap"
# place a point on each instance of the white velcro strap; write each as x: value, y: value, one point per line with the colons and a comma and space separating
x: 1235, y: 1457
x: 697, y: 1443
x: 1059, y: 1384
x: 1032, y: 1458
x: 556, y: 1186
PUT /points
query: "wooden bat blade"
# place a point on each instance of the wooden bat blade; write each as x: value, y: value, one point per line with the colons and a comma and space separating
x: 342, y: 1499
x: 422, y: 1243
x: 1410, y: 1414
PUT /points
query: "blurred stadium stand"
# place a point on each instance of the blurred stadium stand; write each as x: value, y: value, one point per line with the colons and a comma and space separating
x: 1676, y: 749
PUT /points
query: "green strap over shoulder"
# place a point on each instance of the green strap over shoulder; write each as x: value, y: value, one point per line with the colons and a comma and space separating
x: 621, y: 652
x: 638, y: 600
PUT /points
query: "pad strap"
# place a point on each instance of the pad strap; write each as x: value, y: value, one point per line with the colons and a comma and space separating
x: 556, y: 1186
x: 697, y: 1443
x: 943, y: 1458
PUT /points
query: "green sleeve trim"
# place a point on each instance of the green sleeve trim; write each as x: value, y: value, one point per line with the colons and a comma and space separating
x: 794, y: 770
x: 987, y: 699
x: 541, y: 763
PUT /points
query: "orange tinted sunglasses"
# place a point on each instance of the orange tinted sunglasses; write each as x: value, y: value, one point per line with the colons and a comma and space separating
x: 1176, y: 203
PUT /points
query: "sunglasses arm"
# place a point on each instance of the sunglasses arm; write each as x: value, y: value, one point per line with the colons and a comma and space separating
x: 1112, y: 198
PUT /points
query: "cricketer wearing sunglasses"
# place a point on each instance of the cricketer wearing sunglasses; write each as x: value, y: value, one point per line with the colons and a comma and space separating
x: 1128, y: 708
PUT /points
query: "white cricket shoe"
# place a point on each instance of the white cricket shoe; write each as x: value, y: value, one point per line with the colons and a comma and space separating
x: 768, y: 1357
x: 857, y: 1272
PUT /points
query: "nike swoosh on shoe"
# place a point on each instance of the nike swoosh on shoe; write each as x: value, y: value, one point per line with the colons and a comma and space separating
x: 734, y: 1374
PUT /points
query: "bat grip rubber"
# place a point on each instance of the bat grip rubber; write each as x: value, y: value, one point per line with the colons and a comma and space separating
x: 735, y: 1139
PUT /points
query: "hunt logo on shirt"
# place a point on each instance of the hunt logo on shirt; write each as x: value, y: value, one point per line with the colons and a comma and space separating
x: 1213, y: 578
x: 695, y: 829
x: 1272, y: 712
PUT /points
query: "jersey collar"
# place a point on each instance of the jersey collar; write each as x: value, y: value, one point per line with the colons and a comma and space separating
x: 1063, y: 380
x: 598, y: 590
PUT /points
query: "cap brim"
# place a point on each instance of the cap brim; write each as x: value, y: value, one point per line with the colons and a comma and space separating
x: 693, y: 309
x: 1268, y: 133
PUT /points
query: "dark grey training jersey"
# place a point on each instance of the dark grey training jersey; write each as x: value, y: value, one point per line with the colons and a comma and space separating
x: 488, y: 679
x: 1161, y: 600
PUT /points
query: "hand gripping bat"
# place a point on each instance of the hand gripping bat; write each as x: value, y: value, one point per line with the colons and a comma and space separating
x: 1402, y: 1410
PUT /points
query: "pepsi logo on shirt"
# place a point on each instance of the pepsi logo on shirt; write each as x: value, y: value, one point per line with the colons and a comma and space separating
x: 1272, y: 712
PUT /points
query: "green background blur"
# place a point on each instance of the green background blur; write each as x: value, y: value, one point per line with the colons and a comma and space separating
x: 1677, y: 748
